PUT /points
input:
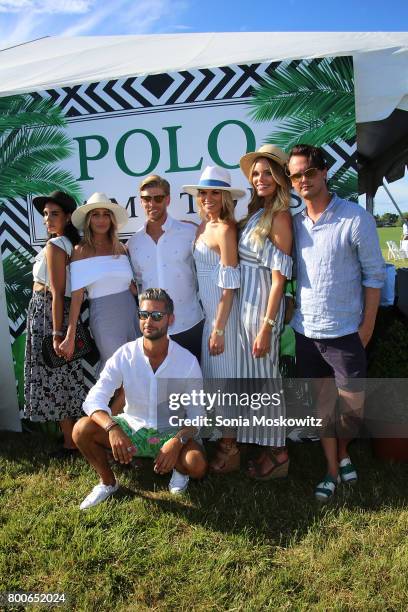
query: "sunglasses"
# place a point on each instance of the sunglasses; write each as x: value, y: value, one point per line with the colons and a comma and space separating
x: 156, y: 198
x: 309, y: 173
x: 156, y: 315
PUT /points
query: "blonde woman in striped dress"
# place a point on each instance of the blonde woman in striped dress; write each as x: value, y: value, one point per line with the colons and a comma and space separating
x: 216, y: 259
x: 264, y: 248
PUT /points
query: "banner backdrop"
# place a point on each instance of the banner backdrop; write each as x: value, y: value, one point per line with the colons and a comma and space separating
x: 108, y: 136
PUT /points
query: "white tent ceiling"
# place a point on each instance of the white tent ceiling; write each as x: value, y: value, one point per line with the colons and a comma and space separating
x: 380, y: 60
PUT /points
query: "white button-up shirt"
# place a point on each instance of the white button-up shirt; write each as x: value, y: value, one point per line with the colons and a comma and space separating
x: 148, y: 393
x: 168, y: 264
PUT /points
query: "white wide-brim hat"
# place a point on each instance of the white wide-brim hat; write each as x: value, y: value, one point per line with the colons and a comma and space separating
x: 269, y: 151
x: 214, y: 177
x: 99, y: 200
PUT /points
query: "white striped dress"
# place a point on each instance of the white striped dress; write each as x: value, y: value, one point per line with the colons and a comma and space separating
x: 257, y: 263
x: 213, y: 277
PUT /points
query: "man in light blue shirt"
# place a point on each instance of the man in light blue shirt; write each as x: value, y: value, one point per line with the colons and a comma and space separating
x: 340, y: 272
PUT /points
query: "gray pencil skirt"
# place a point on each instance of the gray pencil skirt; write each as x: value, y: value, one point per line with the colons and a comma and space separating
x: 113, y: 321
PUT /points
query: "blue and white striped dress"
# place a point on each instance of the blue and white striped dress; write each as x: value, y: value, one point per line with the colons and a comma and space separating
x: 213, y: 277
x: 257, y: 262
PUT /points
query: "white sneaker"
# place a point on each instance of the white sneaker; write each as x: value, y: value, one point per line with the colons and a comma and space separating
x: 178, y: 482
x: 98, y: 495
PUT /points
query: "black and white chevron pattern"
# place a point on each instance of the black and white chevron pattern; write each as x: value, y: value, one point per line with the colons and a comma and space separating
x: 186, y: 87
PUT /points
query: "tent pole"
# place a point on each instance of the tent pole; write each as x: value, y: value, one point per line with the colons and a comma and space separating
x: 385, y: 185
x: 370, y: 203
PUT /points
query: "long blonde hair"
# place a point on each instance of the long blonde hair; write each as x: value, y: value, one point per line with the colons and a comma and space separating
x: 89, y: 238
x: 280, y: 202
x: 227, y: 212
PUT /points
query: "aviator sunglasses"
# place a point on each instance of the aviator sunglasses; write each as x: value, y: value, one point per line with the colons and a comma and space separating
x: 156, y: 315
x: 156, y: 198
x: 309, y: 173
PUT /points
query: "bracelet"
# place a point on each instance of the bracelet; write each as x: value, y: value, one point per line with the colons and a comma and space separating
x: 111, y: 426
x: 218, y: 332
x: 270, y: 322
x: 57, y: 333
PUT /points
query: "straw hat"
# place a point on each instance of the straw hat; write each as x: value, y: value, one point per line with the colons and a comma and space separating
x: 64, y: 200
x: 214, y: 177
x: 99, y: 200
x: 269, y: 151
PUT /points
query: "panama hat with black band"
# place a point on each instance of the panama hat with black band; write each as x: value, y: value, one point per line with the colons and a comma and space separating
x: 269, y: 151
x: 99, y: 200
x: 61, y: 198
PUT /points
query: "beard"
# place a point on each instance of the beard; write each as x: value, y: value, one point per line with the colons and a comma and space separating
x: 155, y: 334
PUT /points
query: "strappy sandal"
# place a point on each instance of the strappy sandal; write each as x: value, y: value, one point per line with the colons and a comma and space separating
x: 227, y: 458
x: 279, y: 469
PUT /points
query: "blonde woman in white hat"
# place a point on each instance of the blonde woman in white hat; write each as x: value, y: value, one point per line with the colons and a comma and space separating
x: 264, y: 248
x: 216, y: 259
x: 100, y: 267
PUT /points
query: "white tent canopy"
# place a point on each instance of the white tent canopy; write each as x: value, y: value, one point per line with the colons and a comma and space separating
x: 380, y: 60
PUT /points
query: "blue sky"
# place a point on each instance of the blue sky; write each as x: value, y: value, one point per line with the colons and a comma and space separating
x: 24, y: 20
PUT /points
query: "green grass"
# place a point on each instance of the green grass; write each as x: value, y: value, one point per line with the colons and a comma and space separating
x: 229, y: 544
x: 391, y: 233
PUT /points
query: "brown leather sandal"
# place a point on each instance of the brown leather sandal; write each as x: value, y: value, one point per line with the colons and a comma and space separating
x: 227, y: 458
x: 278, y: 469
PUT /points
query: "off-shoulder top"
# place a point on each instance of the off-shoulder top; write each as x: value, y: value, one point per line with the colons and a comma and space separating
x: 101, y: 275
x: 40, y: 271
x: 208, y: 263
x: 267, y: 255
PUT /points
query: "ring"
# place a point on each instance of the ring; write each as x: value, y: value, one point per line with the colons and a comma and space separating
x: 129, y: 448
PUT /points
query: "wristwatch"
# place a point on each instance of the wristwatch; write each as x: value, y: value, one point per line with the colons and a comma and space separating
x: 270, y: 322
x: 218, y: 332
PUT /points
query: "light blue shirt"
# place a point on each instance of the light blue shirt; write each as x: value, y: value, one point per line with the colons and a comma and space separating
x: 335, y: 258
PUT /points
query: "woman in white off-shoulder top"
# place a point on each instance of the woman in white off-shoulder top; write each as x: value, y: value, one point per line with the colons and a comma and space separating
x: 216, y: 259
x: 101, y: 266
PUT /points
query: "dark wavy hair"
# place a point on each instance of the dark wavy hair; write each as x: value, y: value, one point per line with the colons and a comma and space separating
x: 71, y: 232
x: 313, y: 154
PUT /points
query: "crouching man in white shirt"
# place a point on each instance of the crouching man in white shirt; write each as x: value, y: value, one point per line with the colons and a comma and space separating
x: 149, y: 368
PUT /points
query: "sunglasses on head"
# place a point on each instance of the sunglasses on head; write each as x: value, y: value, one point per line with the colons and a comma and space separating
x: 156, y: 315
x: 156, y: 198
x: 309, y: 173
